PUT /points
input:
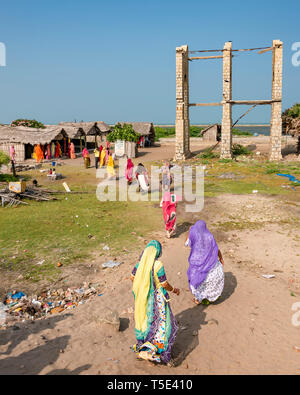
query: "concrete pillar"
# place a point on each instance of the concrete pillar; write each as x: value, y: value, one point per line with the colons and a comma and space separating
x: 182, y: 126
x: 226, y: 137
x: 276, y: 120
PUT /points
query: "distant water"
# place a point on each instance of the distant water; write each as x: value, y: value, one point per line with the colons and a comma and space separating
x: 265, y: 130
x: 261, y: 129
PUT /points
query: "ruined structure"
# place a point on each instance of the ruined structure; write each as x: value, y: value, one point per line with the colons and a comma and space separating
x: 182, y: 149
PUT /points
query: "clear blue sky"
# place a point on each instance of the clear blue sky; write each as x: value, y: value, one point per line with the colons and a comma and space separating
x: 115, y: 60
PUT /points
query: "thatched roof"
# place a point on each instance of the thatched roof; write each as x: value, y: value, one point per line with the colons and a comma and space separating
x: 103, y: 127
x: 73, y: 132
x: 142, y: 128
x: 89, y: 128
x: 19, y: 134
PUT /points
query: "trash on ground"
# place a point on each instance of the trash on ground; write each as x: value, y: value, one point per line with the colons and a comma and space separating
x: 19, y: 307
x: 65, y: 185
x: 111, y: 264
x: 106, y: 248
x: 268, y: 275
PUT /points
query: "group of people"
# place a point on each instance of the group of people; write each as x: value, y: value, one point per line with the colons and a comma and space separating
x: 103, y: 157
x: 155, y: 324
x: 53, y: 151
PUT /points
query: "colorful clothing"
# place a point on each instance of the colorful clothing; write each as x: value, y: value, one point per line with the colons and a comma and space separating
x: 155, y: 324
x: 110, y: 166
x: 205, y: 275
x: 212, y: 287
x: 129, y: 170
x: 102, y: 157
x: 39, y: 153
x: 12, y: 153
x: 72, y: 151
x: 169, y: 212
x: 58, y: 152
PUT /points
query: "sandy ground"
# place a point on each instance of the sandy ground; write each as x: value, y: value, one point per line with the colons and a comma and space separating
x: 249, y: 331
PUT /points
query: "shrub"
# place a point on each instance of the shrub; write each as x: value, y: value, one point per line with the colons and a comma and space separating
x: 4, y: 159
x: 30, y: 123
x: 238, y: 149
x: 124, y: 132
x: 208, y: 154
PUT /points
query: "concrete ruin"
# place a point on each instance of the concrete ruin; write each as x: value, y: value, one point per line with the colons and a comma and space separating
x: 182, y: 149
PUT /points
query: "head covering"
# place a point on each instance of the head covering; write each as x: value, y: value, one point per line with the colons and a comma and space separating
x: 129, y: 164
x: 142, y: 284
x: 140, y: 168
x: 204, y: 253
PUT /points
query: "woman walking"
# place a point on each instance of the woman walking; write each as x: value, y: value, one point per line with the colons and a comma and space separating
x: 169, y: 213
x: 129, y: 171
x: 155, y: 324
x: 205, y: 272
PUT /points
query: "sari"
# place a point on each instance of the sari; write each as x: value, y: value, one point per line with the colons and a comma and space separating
x: 169, y: 213
x: 155, y: 324
x: 58, y: 152
x: 48, y: 152
x: 72, y: 151
x: 52, y: 150
x: 129, y: 170
x: 39, y: 153
x: 12, y: 153
x: 205, y: 272
x: 102, y: 157
x: 110, y: 166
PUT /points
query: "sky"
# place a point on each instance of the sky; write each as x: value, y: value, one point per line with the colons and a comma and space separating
x: 94, y: 60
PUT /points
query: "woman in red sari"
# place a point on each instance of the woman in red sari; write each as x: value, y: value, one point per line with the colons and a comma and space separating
x: 58, y: 152
x: 129, y: 170
x: 169, y: 212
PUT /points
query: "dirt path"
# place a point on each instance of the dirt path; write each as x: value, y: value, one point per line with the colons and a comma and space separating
x: 249, y: 331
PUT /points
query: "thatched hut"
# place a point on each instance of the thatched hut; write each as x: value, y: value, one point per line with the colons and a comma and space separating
x: 76, y: 135
x: 95, y: 132
x: 145, y: 129
x: 24, y: 139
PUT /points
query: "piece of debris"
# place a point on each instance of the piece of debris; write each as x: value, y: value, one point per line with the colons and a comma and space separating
x: 268, y: 275
x: 65, y: 185
x: 111, y: 264
x: 105, y: 248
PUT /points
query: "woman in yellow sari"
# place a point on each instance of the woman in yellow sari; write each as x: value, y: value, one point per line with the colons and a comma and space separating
x: 110, y: 166
x: 102, y: 157
x: 155, y: 324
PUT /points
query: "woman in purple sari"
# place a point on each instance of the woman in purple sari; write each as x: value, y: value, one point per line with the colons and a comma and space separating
x: 205, y: 272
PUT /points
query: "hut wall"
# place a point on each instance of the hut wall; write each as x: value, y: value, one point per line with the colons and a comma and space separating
x: 19, y: 149
x: 211, y: 134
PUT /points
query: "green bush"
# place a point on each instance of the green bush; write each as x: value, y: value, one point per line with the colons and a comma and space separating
x: 208, y: 154
x: 124, y: 132
x: 238, y: 149
x: 4, y: 159
x: 30, y: 123
x: 293, y: 112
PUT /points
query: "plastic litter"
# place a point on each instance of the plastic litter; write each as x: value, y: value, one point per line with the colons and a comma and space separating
x: 19, y: 307
x: 111, y: 264
x: 105, y: 248
x: 268, y: 275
